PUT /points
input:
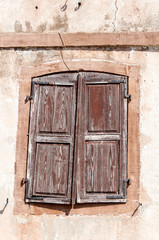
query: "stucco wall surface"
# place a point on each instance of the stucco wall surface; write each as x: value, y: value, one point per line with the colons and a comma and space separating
x: 92, y: 16
x: 29, y: 226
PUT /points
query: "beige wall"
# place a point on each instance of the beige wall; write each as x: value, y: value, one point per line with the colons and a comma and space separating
x: 141, y: 226
x: 93, y: 16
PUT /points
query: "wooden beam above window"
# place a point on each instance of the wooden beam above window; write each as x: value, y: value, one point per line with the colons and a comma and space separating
x: 25, y: 40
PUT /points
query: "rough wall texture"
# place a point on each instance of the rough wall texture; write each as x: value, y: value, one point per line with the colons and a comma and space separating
x: 144, y: 223
x: 92, y: 16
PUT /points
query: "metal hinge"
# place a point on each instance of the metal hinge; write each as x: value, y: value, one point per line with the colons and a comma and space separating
x: 34, y: 198
x: 126, y: 95
x: 28, y: 98
x: 23, y: 181
x: 26, y: 181
x: 126, y: 182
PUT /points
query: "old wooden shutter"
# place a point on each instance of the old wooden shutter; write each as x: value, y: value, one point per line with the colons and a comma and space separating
x: 51, y: 139
x: 78, y: 139
x: 102, y: 138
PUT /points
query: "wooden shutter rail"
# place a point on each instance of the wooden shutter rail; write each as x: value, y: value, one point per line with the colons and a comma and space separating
x: 76, y: 141
x: 126, y: 95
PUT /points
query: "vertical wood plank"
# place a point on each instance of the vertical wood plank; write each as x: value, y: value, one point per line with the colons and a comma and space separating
x: 112, y: 107
x: 62, y: 111
x: 60, y: 169
x: 96, y: 108
x: 46, y: 108
x: 52, y: 169
x: 102, y: 167
x: 103, y: 107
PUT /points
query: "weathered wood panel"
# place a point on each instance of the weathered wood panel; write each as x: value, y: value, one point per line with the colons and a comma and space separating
x: 96, y: 108
x: 46, y: 106
x: 99, y: 164
x: 63, y: 108
x: 112, y: 107
x: 51, y: 175
x: 102, y: 138
x: 55, y: 111
x: 51, y: 134
x: 103, y: 108
x: 102, y: 167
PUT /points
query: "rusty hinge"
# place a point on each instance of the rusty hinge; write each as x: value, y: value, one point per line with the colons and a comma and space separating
x: 26, y: 181
x: 23, y: 181
x: 126, y: 182
x: 28, y: 98
x: 126, y: 95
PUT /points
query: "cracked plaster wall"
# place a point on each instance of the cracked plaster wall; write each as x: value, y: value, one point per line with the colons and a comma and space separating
x: 92, y: 16
x: 144, y: 224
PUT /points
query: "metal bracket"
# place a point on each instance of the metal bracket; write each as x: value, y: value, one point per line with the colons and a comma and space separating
x: 28, y: 98
x: 128, y: 181
x: 1, y: 211
x: 115, y: 197
x: 23, y: 181
x: 26, y: 181
x: 126, y: 95
x: 34, y: 198
x: 125, y: 184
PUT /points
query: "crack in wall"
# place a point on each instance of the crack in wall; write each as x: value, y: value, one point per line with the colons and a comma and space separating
x: 62, y: 57
x: 115, y: 15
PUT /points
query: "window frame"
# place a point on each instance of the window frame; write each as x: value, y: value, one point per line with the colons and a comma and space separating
x: 26, y: 73
x: 78, y: 196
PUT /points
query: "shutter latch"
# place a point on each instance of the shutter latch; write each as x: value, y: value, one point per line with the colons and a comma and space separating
x: 28, y: 98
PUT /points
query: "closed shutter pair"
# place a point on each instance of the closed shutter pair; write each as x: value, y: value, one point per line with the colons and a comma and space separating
x: 77, y: 151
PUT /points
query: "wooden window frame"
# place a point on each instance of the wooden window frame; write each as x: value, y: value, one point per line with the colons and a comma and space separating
x: 133, y: 72
x: 40, y: 137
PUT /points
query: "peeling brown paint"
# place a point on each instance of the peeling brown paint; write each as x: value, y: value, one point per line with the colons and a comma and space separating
x: 60, y: 23
x: 39, y: 58
x: 41, y: 28
x: 28, y: 26
x: 18, y: 27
